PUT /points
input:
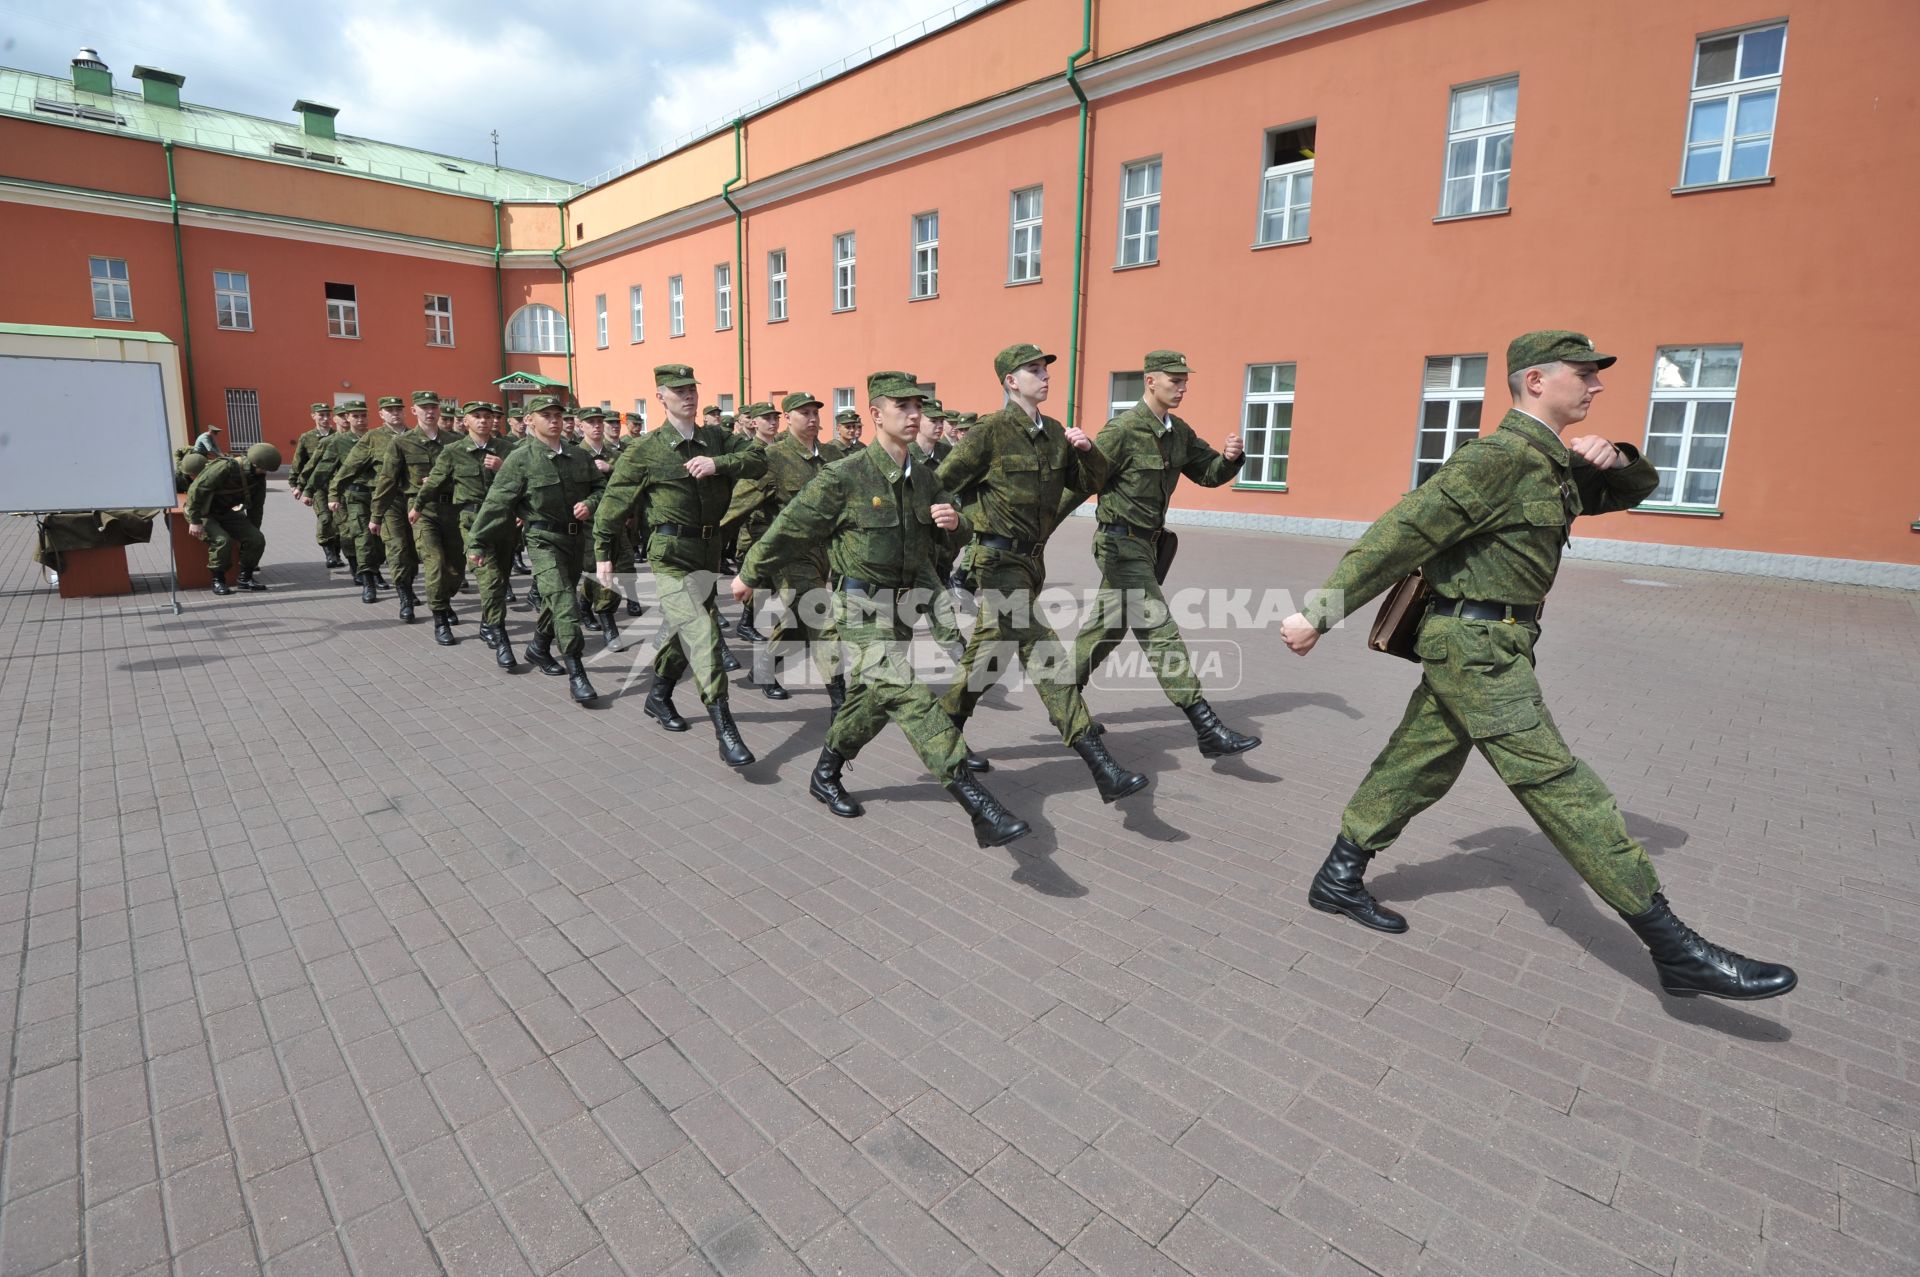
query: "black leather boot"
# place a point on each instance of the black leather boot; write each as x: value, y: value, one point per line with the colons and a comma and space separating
x: 993, y: 825
x: 443, y: 630
x: 369, y: 592
x: 380, y: 579
x: 520, y: 564
x: 746, y: 628
x: 975, y: 762
x: 733, y: 750
x: 768, y: 682
x: 333, y: 555
x: 660, y: 705
x: 825, y: 785
x: 1337, y: 888
x: 220, y: 585
x: 1114, y: 781
x: 539, y: 654
x: 1217, y: 740
x: 577, y: 685
x: 486, y: 633
x: 636, y: 608
x: 453, y: 617
x: 353, y: 564
x: 836, y: 695
x: 408, y: 602
x: 1690, y: 965
x: 607, y: 627
x: 503, y: 650
x: 728, y: 661
x: 247, y: 582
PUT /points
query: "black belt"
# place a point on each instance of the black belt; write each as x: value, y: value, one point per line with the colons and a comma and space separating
x: 703, y: 532
x: 1478, y: 610
x: 1128, y: 530
x: 470, y: 507
x: 564, y: 529
x: 854, y: 585
x: 1009, y: 544
x: 364, y: 489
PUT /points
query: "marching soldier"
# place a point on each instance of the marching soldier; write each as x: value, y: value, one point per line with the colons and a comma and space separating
x: 600, y: 600
x: 461, y: 477
x: 748, y: 515
x: 355, y: 481
x: 553, y: 489
x: 216, y: 509
x: 876, y: 512
x: 846, y: 429
x: 305, y: 449
x: 636, y: 529
x: 680, y: 476
x: 1487, y: 531
x: 429, y: 527
x: 1020, y: 461
x: 1147, y: 450
x: 350, y: 501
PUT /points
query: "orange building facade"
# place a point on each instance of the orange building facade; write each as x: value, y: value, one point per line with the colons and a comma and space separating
x: 1341, y: 210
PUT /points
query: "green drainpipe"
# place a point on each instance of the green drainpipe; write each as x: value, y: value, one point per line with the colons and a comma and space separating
x: 180, y: 272
x: 499, y: 296
x: 1079, y: 211
x: 739, y: 270
x: 566, y: 291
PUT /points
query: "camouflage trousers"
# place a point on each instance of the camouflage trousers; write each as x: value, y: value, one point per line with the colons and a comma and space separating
x: 326, y: 525
x: 882, y: 688
x: 1478, y: 691
x: 396, y: 534
x: 437, y: 546
x: 690, y: 626
x: 491, y: 575
x: 602, y: 597
x: 369, y: 551
x: 937, y: 609
x: 230, y: 529
x: 800, y: 621
x: 1130, y: 600
x: 1011, y: 625
x: 557, y: 560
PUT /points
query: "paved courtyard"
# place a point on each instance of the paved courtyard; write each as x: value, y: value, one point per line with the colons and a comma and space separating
x: 327, y: 950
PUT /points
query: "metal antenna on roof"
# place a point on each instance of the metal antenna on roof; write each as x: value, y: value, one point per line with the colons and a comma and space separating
x: 496, y: 148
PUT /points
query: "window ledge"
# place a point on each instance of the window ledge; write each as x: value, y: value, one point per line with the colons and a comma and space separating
x: 1022, y: 283
x: 781, y: 320
x: 340, y: 337
x: 925, y: 297
x: 843, y: 310
x: 1139, y: 265
x: 1721, y: 186
x: 1685, y: 512
x: 1258, y: 487
x: 1915, y: 525
x: 1260, y: 245
x: 1473, y: 217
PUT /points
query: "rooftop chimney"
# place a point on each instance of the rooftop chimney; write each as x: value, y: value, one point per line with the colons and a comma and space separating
x: 161, y: 88
x: 315, y: 118
x: 90, y: 74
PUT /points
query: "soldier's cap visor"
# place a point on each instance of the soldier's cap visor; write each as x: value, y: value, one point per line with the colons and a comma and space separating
x: 1019, y: 355
x: 1553, y: 345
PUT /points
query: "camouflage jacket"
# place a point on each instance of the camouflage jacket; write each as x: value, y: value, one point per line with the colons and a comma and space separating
x: 1020, y: 469
x: 874, y: 517
x: 1490, y: 525
x: 1145, y: 460
x: 305, y: 449
x: 223, y: 484
x: 363, y: 462
x: 651, y: 476
x: 460, y: 474
x: 404, y: 466
x: 544, y: 484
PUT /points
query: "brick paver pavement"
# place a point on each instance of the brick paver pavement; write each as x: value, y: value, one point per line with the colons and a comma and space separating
x: 329, y: 950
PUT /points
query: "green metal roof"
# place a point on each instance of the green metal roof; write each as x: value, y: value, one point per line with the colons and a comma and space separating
x: 28, y: 94
x: 57, y: 330
x: 533, y: 378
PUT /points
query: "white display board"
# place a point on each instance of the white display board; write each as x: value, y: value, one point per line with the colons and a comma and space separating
x: 83, y: 434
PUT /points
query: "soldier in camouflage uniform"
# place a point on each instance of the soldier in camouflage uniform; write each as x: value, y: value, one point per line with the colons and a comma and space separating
x: 929, y: 599
x: 1487, y: 531
x: 460, y: 478
x: 876, y: 512
x: 1147, y: 450
x: 1021, y: 461
x: 321, y: 473
x: 431, y: 529
x: 747, y: 513
x: 600, y: 600
x: 846, y: 429
x: 216, y: 509
x: 305, y: 449
x: 680, y: 475
x: 553, y: 488
x: 353, y: 487
x: 635, y: 533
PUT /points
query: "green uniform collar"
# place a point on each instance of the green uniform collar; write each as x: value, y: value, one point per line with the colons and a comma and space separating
x: 885, y: 464
x: 1540, y: 432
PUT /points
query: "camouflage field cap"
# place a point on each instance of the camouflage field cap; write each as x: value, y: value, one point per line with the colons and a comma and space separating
x: 427, y: 396
x: 1546, y: 345
x: 894, y: 385
x: 543, y: 403
x: 263, y: 456
x: 1168, y: 361
x: 318, y: 407
x: 635, y: 419
x: 932, y: 410
x: 758, y: 408
x: 193, y: 463
x: 961, y: 420
x: 475, y: 407
x: 799, y: 399
x: 449, y: 405
x: 1019, y: 355
x: 392, y: 401
x: 846, y: 417
x: 352, y: 405
x: 591, y: 414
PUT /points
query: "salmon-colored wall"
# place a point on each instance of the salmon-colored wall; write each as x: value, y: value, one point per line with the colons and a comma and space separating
x: 81, y: 157
x: 238, y: 181
x: 1810, y: 275
x: 685, y: 177
x: 529, y: 228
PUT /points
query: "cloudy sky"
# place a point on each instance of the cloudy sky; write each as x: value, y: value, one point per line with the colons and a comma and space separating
x: 574, y: 89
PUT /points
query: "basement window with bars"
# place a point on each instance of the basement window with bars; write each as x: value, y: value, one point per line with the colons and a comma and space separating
x: 243, y: 419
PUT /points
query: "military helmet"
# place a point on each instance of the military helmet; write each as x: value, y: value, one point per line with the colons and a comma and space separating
x: 263, y: 456
x: 193, y: 463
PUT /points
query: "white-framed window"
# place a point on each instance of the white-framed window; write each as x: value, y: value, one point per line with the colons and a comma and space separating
x: 1689, y: 420
x: 439, y: 311
x: 843, y: 271
x: 723, y: 296
x: 1286, y: 187
x: 842, y: 398
x: 1479, y: 147
x: 1124, y: 390
x: 343, y: 311
x: 777, y: 286
x: 1140, y: 213
x: 725, y: 403
x: 637, y: 304
x: 640, y: 410
x: 600, y: 320
x: 926, y: 255
x: 1736, y: 88
x: 676, y: 306
x: 112, y: 288
x: 537, y: 330
x: 1023, y: 235
x: 1267, y: 425
x: 1452, y: 393
x: 232, y: 300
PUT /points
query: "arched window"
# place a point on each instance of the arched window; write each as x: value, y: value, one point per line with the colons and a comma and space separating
x: 537, y: 330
